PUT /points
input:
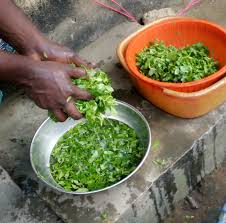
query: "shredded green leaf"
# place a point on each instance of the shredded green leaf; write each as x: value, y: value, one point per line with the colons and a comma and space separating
x: 104, y: 216
x: 94, y: 155
x: 99, y: 85
x: 177, y: 65
x: 189, y: 216
x: 160, y: 162
x: 52, y: 116
x: 155, y: 145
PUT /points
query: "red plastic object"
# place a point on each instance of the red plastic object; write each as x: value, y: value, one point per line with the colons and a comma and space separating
x: 180, y: 32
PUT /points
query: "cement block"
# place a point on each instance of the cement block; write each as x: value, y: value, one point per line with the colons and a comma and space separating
x: 209, y: 148
x: 15, y: 207
x: 185, y: 145
x: 181, y: 147
x: 77, y: 22
x: 219, y: 144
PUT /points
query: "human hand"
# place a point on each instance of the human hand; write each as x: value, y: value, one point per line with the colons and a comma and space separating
x: 50, y: 86
x: 47, y: 50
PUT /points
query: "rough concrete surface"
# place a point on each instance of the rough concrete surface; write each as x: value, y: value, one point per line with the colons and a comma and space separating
x: 143, y: 197
x: 16, y: 208
x: 20, y: 204
x: 78, y: 22
x: 190, y: 149
x: 210, y: 195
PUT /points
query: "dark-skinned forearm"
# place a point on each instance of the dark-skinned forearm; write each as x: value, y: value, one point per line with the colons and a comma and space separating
x: 17, y: 29
x: 15, y: 68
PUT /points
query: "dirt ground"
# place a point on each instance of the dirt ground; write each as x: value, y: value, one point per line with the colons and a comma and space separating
x: 210, y: 196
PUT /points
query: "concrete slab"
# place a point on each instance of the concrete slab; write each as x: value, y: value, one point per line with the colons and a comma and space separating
x: 16, y: 208
x: 20, y: 118
x: 77, y: 22
x: 212, y: 10
x: 152, y: 192
x: 20, y: 204
x: 209, y: 195
x: 190, y: 148
x: 186, y: 146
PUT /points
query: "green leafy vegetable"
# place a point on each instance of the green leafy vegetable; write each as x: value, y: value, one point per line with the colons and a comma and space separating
x: 99, y: 85
x: 189, y: 216
x: 160, y: 162
x: 155, y: 144
x: 171, y: 64
x: 52, y: 116
x: 92, y: 155
x: 104, y: 216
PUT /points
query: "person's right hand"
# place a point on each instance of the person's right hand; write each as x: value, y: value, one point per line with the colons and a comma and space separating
x: 50, y: 86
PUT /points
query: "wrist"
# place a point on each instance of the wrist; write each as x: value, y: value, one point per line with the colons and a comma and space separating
x: 17, y: 69
x: 34, y: 45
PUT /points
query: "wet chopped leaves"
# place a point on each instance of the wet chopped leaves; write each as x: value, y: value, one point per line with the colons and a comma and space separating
x: 189, y: 216
x: 104, y: 216
x: 93, y: 156
x: 155, y: 144
x: 160, y: 162
x: 177, y: 65
x: 99, y: 85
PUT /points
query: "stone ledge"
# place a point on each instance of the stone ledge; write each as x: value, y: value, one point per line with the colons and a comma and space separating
x: 17, y: 208
x: 187, y: 146
x: 158, y: 201
x: 77, y: 23
x: 153, y: 191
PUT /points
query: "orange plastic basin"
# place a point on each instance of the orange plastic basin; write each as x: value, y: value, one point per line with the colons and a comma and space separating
x: 180, y: 104
x: 179, y: 32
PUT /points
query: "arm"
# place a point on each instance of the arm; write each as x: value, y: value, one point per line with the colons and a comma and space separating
x: 18, y: 30
x: 47, y: 83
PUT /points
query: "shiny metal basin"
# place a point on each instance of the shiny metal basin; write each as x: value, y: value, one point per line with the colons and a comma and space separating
x: 49, y: 133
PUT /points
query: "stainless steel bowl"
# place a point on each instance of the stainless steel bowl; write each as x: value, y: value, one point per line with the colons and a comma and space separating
x: 49, y: 133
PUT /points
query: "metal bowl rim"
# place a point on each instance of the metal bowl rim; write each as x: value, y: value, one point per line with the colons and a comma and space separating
x: 106, y: 188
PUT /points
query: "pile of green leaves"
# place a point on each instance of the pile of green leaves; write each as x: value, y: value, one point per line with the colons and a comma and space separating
x: 99, y: 85
x: 171, y: 64
x: 93, y: 156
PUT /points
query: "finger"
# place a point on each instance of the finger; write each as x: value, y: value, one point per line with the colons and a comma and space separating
x: 81, y: 94
x: 77, y: 72
x: 72, y: 111
x: 79, y: 61
x: 35, y: 56
x: 35, y: 99
x: 60, y: 115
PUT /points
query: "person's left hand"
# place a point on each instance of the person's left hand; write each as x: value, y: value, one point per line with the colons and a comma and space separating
x: 47, y: 50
